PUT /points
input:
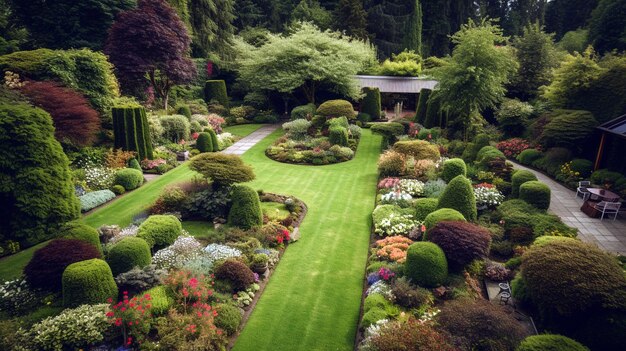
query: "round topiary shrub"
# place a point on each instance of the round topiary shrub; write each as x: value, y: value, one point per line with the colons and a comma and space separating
x: 118, y: 189
x: 183, y: 110
x: 480, y: 325
x: 204, y: 142
x: 129, y: 253
x: 129, y: 178
x: 228, y: 318
x: 338, y: 136
x: 160, y: 231
x: 419, y: 149
x: 459, y: 195
x: 81, y: 231
x: 134, y: 164
x: 462, y: 242
x: 488, y: 154
x: 88, y: 282
x: 551, y: 270
x: 426, y: 264
x: 528, y: 156
x: 520, y: 177
x: 336, y: 108
x: 442, y: 214
x: 45, y: 269
x: 535, y: 193
x: 424, y: 207
x: 236, y: 273
x: 452, y: 168
x: 550, y: 342
x: 371, y: 102
x: 222, y: 169
x: 246, y: 210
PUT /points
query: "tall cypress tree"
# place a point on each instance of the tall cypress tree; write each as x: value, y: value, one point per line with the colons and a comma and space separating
x: 351, y: 18
x: 413, y: 38
x: 212, y: 24
x: 387, y: 22
x: 436, y: 28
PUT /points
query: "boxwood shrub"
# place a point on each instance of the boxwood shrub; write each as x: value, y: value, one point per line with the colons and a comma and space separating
x: 81, y: 231
x: 426, y: 264
x: 371, y: 102
x: 95, y: 198
x: 336, y: 108
x: 228, y: 318
x: 160, y: 231
x: 452, y: 168
x: 550, y: 342
x: 528, y: 156
x: 216, y: 90
x: 442, y: 214
x: 129, y: 178
x: 303, y: 111
x: 88, y: 282
x: 459, y: 195
x: 419, y: 149
x: 246, y: 209
x: 129, y: 253
x: 520, y: 177
x: 389, y: 130
x: 536, y: 194
x: 204, y: 142
x: 338, y: 136
x: 424, y: 207
x: 462, y: 242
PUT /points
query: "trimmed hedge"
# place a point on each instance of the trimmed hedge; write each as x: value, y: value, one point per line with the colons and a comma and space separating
x: 459, y: 195
x: 442, y: 214
x: 426, y: 264
x: 95, y: 198
x: 535, y: 193
x: 528, y: 156
x: 246, y: 209
x: 420, y: 113
x: 228, y: 318
x: 371, y: 102
x: 452, y: 168
x: 462, y: 242
x: 216, y: 90
x: 222, y: 169
x: 433, y: 114
x: 420, y: 149
x: 88, y: 282
x: 129, y: 178
x: 520, y: 177
x: 336, y: 108
x: 338, y: 136
x: 80, y: 231
x: 550, y: 342
x: 132, y: 131
x: 204, y: 142
x: 488, y: 154
x: 127, y: 254
x: 424, y: 207
x: 303, y: 112
x: 160, y: 231
x: 134, y: 164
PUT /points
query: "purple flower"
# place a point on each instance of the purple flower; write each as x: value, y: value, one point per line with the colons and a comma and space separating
x: 372, y: 278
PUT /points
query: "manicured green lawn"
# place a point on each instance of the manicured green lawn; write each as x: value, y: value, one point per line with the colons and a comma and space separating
x: 11, y: 266
x: 243, y: 130
x: 312, y: 300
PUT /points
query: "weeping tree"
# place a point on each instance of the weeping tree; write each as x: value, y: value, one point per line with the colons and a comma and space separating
x: 304, y: 60
x: 150, y: 41
x: 476, y: 75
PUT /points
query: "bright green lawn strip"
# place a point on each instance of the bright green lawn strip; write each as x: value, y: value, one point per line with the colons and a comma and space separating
x: 274, y: 210
x: 11, y: 266
x: 312, y: 300
x: 242, y: 130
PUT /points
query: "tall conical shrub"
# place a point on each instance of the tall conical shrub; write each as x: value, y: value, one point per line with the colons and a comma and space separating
x: 459, y: 195
x: 422, y: 102
x: 213, y: 135
x: 433, y: 116
x: 131, y: 130
x: 371, y: 102
x: 204, y: 143
x: 216, y: 90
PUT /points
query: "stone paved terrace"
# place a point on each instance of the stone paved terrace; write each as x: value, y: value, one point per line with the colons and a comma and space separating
x: 244, y: 144
x: 608, y: 234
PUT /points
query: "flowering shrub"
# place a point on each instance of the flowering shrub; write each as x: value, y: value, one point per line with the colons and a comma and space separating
x: 221, y: 252
x: 225, y: 140
x: 422, y: 168
x: 152, y: 164
x: 72, y: 329
x: 393, y: 248
x: 118, y: 158
x: 388, y: 183
x: 12, y: 80
x: 273, y: 256
x: 215, y: 121
x: 16, y: 297
x: 411, y: 186
x: 373, y: 278
x: 124, y: 233
x: 434, y: 188
x: 182, y: 250
x: 195, y: 330
x: 385, y: 274
x: 568, y: 174
x: 282, y: 237
x: 396, y: 197
x: 393, y: 220
x: 98, y: 177
x: 513, y: 147
x: 190, y: 289
x: 410, y: 334
x: 131, y: 317
x: 488, y: 196
x: 380, y: 287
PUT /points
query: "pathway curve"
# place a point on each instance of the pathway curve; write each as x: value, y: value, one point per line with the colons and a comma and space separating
x: 607, y: 234
x: 244, y: 144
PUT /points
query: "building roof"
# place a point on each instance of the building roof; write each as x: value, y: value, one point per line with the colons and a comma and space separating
x: 388, y: 84
x: 615, y: 126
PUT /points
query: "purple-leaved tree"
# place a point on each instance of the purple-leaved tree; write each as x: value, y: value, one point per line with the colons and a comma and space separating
x: 150, y: 45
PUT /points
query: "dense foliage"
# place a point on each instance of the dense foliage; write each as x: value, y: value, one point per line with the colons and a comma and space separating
x: 222, y: 169
x: 459, y: 195
x: 426, y: 264
x: 88, y: 282
x: 246, y: 210
x: 127, y: 254
x: 462, y: 242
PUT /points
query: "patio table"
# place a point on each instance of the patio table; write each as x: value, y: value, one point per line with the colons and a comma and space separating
x: 602, y: 195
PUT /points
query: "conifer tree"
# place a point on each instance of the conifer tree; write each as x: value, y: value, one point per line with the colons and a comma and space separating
x: 351, y: 18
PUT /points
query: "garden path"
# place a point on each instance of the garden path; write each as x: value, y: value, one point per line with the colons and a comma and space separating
x: 244, y: 144
x: 607, y: 234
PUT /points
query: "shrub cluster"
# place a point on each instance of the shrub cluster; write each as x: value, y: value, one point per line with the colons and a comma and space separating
x: 409, y: 335
x: 160, y: 231
x: 338, y: 136
x: 127, y: 254
x: 528, y: 156
x: 442, y: 214
x: 419, y: 149
x: 246, y: 209
x: 536, y: 194
x: 129, y: 178
x: 303, y: 112
x: 462, y: 242
x: 221, y: 168
x: 228, y: 318
x: 88, y: 282
x: 423, y: 207
x: 426, y: 264
x: 336, y: 108
x: 459, y: 195
x: 80, y: 231
x: 520, y: 177
x: 236, y: 273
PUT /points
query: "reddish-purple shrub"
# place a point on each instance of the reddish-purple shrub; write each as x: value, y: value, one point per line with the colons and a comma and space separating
x: 236, y: 273
x: 513, y: 147
x: 410, y: 335
x: 480, y: 325
x: 75, y: 122
x: 45, y: 269
x: 462, y: 242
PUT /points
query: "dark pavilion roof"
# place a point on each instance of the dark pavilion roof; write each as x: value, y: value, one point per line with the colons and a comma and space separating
x: 615, y: 126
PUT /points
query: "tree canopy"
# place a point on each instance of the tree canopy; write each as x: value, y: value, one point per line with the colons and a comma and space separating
x: 305, y: 60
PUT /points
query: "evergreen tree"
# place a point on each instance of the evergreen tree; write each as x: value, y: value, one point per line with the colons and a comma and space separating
x: 312, y: 11
x: 413, y: 38
x: 523, y: 13
x: 182, y: 9
x: 387, y: 22
x: 436, y: 27
x: 212, y: 24
x: 351, y: 18
x: 251, y: 13
x: 563, y: 16
x: 607, y: 30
